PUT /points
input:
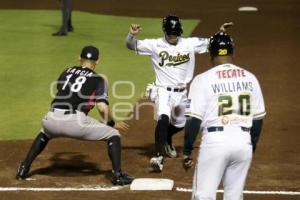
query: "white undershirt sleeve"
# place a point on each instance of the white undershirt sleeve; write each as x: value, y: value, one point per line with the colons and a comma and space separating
x: 258, y: 105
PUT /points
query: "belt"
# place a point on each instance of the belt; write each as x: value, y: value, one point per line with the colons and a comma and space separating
x: 66, y: 112
x: 175, y: 89
x: 221, y: 128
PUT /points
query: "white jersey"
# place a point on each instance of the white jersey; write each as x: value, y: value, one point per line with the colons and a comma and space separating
x: 226, y: 96
x: 173, y: 64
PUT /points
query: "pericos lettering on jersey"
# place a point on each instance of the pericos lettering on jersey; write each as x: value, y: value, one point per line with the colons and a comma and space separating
x: 238, y: 86
x: 173, y: 60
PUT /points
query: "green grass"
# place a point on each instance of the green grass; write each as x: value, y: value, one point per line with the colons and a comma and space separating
x: 31, y: 59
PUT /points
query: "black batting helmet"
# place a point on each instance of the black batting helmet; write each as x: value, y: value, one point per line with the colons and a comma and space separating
x: 221, y: 44
x: 171, y: 25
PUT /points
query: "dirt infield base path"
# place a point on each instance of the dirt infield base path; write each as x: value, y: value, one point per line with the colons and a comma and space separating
x: 266, y: 44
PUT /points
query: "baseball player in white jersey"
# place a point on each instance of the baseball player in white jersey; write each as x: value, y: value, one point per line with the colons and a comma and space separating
x: 227, y: 105
x: 173, y: 60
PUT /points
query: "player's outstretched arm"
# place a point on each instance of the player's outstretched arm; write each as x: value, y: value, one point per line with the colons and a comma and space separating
x: 105, y: 113
x: 131, y: 41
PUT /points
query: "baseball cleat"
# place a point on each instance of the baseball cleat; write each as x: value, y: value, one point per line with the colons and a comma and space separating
x: 22, y: 172
x: 121, y: 178
x: 157, y: 163
x: 60, y: 33
x: 70, y: 29
x: 170, y: 151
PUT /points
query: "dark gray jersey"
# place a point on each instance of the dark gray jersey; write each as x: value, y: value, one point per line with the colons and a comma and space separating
x: 78, y: 88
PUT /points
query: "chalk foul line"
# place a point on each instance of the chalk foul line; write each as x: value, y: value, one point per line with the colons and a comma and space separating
x: 63, y: 189
x: 114, y: 188
x: 249, y: 192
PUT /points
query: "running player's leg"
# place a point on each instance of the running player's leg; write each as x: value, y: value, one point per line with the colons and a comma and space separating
x: 163, y: 109
x: 177, y: 121
x: 172, y: 130
x: 163, y: 119
x: 236, y: 173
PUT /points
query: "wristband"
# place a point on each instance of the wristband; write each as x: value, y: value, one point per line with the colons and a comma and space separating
x: 111, y: 123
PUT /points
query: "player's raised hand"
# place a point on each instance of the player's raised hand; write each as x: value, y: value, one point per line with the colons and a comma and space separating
x: 226, y: 25
x: 122, y: 126
x: 134, y: 29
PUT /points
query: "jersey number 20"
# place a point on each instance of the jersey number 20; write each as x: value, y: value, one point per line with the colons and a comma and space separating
x: 75, y: 87
x: 226, y: 105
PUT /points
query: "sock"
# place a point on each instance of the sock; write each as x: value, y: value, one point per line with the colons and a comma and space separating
x: 161, y: 133
x: 172, y: 130
x: 37, y: 147
x: 114, y: 152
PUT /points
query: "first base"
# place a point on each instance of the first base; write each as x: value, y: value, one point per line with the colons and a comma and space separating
x: 152, y: 184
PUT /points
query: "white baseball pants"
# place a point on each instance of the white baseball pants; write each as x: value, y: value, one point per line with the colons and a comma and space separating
x: 228, y: 160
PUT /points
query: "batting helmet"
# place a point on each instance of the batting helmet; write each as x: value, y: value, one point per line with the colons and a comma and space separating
x: 221, y: 44
x: 171, y: 25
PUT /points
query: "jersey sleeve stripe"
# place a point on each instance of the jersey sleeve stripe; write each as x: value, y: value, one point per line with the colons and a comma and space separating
x: 259, y: 115
x: 193, y: 115
x: 136, y: 48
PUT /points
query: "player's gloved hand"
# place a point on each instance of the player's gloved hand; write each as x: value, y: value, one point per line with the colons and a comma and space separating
x: 226, y: 25
x: 122, y: 126
x: 134, y: 29
x: 187, y: 162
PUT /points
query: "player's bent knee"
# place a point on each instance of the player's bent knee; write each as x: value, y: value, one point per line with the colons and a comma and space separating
x: 114, y: 137
x: 114, y: 140
x: 115, y: 132
x: 179, y: 126
x: 164, y: 117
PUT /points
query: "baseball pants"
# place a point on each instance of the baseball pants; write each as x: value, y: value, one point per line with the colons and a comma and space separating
x: 218, y: 160
x: 66, y: 14
x: 77, y: 125
x: 171, y: 104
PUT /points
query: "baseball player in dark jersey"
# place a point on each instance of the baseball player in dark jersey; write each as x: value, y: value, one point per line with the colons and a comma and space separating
x: 79, y: 89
